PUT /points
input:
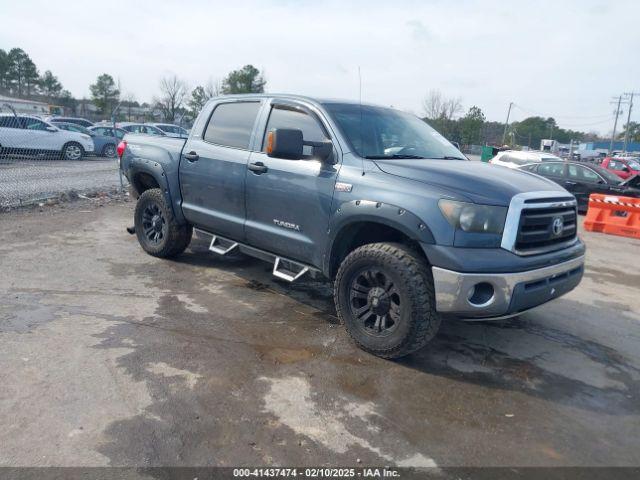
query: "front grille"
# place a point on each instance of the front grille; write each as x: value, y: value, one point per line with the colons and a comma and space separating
x: 536, y: 228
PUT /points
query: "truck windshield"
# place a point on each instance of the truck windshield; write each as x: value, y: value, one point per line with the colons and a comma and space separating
x: 381, y: 133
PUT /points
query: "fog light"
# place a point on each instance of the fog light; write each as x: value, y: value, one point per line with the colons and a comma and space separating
x: 481, y: 294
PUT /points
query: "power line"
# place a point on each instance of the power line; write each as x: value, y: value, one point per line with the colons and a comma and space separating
x: 626, y: 128
x: 529, y: 110
x: 615, y: 124
x: 506, y: 124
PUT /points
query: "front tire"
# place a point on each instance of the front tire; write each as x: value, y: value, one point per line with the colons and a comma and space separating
x: 385, y: 297
x: 158, y: 232
x: 72, y: 151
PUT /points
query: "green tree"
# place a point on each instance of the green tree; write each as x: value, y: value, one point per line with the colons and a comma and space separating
x: 471, y: 126
x: 67, y: 100
x: 634, y: 132
x: 533, y: 129
x: 104, y: 93
x: 50, y: 86
x: 4, y: 71
x: 22, y: 73
x: 201, y: 95
x: 198, y: 99
x: 246, y: 80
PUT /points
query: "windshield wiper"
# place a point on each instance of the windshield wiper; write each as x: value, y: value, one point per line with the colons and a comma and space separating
x: 386, y: 157
x: 450, y: 157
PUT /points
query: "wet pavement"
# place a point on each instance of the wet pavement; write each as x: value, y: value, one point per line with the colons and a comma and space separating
x: 112, y: 357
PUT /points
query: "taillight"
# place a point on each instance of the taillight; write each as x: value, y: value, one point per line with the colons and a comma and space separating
x: 121, y: 147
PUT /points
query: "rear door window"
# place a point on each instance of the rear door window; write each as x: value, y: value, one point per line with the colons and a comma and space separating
x: 33, y: 124
x: 231, y: 124
x: 583, y: 174
x: 9, y: 122
x: 551, y: 169
x: 616, y: 165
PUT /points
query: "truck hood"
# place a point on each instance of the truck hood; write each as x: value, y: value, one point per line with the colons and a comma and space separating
x: 480, y: 182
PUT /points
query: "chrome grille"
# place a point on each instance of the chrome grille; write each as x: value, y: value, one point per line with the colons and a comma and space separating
x: 536, y: 229
x: 529, y: 228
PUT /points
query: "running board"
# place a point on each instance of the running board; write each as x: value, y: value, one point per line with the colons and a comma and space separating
x: 283, y: 268
x: 288, y: 269
x: 221, y: 246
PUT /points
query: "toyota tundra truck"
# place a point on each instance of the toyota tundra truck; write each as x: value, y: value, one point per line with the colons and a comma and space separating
x: 409, y: 230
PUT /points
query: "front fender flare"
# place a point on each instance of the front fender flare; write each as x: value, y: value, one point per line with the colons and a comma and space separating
x: 356, y: 211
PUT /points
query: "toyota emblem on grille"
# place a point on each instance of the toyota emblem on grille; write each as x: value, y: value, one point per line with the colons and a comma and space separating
x: 557, y: 226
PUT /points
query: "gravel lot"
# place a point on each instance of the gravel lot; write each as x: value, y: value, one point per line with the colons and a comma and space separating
x: 112, y: 357
x: 24, y: 181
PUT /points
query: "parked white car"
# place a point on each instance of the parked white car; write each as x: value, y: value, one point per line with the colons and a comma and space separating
x: 29, y: 135
x: 517, y: 158
x: 171, y: 130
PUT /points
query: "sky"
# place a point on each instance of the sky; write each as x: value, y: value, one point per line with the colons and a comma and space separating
x: 565, y: 59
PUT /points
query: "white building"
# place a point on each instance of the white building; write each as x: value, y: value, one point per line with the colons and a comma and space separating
x: 28, y: 107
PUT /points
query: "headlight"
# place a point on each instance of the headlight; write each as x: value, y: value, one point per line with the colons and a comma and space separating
x: 473, y: 218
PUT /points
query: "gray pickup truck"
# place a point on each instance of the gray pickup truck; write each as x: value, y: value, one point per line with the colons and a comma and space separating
x: 409, y: 230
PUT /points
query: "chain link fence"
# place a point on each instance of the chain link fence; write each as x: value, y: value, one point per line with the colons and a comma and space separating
x: 40, y: 160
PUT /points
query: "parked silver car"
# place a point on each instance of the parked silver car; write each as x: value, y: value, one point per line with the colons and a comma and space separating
x: 104, y: 145
x: 171, y: 130
x: 83, y: 122
x: 29, y: 135
x: 143, y: 128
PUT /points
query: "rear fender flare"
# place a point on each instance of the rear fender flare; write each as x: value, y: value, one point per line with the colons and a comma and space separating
x: 172, y: 197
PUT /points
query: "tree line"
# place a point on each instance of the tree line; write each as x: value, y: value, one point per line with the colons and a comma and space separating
x: 19, y: 76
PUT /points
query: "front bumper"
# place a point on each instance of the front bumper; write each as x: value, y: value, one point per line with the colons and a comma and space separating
x: 469, y: 296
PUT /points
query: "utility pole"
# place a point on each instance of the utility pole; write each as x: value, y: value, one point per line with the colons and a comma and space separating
x: 615, y: 125
x: 504, y: 135
x: 626, y: 129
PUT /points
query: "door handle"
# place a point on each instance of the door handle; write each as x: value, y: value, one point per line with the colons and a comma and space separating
x: 258, y: 168
x: 192, y: 156
x: 570, y: 183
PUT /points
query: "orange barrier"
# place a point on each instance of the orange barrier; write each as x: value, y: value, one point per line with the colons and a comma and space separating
x: 614, y: 215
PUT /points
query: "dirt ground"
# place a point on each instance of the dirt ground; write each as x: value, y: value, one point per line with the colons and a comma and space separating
x: 112, y: 357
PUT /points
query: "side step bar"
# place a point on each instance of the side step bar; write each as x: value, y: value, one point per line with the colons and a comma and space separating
x: 283, y: 268
x: 288, y: 270
x: 221, y: 246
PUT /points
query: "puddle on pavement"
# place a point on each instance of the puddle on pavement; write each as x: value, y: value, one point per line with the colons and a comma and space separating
x: 22, y: 313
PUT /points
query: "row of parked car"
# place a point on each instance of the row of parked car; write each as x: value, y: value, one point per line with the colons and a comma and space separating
x: 71, y: 138
x: 614, y: 176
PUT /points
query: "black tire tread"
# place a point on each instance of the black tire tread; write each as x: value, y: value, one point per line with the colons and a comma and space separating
x: 178, y: 235
x: 414, y: 270
x: 104, y: 150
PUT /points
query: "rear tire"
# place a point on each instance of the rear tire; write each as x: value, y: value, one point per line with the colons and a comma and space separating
x: 158, y: 232
x: 384, y: 295
x: 72, y: 151
x: 109, y: 150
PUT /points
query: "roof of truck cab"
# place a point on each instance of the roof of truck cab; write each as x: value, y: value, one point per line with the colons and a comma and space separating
x: 286, y: 96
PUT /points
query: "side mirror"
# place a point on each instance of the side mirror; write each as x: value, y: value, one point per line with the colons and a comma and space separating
x: 625, y: 169
x: 285, y: 143
x: 323, y: 151
x: 51, y: 129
